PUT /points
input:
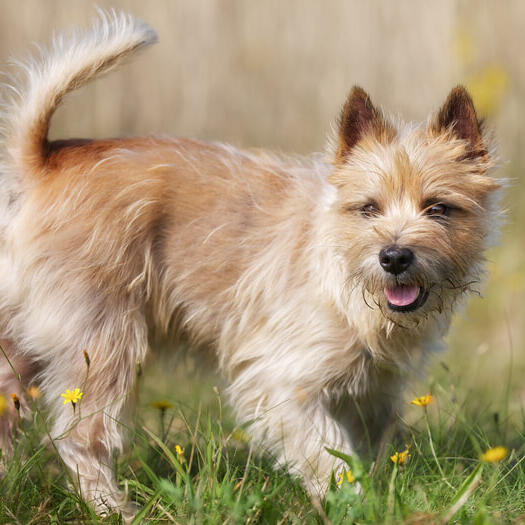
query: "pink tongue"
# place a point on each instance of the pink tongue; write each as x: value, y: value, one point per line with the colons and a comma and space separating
x: 402, y: 295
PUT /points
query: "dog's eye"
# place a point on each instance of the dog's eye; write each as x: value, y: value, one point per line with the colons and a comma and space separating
x: 437, y: 210
x: 369, y: 210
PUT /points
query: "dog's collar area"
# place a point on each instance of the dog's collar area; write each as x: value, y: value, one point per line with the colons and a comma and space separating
x: 418, y: 302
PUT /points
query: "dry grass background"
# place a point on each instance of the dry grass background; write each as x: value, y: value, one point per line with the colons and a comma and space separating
x: 274, y: 74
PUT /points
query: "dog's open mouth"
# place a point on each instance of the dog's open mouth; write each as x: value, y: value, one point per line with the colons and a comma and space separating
x: 405, y: 298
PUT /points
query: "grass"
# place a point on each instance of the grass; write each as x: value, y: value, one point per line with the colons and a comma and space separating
x: 217, y: 476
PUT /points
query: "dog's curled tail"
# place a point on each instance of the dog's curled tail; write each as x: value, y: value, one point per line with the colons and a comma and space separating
x: 70, y: 62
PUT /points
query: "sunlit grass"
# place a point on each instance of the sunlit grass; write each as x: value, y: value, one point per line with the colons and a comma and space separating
x: 190, y: 463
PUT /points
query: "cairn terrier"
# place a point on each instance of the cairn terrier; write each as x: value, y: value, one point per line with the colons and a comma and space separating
x: 322, y: 285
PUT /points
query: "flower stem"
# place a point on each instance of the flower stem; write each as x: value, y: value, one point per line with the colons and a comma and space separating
x: 391, y: 501
x: 433, y: 450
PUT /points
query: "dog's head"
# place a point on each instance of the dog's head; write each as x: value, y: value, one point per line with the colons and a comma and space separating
x: 413, y: 205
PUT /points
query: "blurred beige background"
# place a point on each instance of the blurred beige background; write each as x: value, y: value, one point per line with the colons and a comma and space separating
x: 275, y: 74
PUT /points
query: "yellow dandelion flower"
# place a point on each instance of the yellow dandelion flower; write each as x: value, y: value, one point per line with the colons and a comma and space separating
x: 72, y: 396
x: 161, y: 405
x: 494, y: 454
x: 3, y: 404
x: 16, y: 401
x: 179, y: 450
x: 34, y: 392
x: 400, y: 457
x: 422, y: 401
x: 347, y: 476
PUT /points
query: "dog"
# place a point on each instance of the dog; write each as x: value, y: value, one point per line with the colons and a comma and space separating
x: 322, y: 284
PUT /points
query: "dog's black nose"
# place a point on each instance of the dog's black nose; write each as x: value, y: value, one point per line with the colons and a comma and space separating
x: 395, y: 260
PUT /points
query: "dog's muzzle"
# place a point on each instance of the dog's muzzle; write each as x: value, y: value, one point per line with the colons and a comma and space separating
x: 402, y: 297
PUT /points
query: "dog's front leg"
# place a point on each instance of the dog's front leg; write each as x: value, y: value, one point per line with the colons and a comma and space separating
x: 310, y: 433
x: 294, y: 426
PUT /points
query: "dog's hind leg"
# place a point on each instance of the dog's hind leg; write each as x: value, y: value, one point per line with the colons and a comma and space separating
x: 89, y: 432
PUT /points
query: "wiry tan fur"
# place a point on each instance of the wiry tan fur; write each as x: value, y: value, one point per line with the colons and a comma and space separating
x: 268, y: 260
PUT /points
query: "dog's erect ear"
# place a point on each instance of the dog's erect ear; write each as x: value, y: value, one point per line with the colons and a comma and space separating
x: 459, y: 115
x: 358, y: 117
